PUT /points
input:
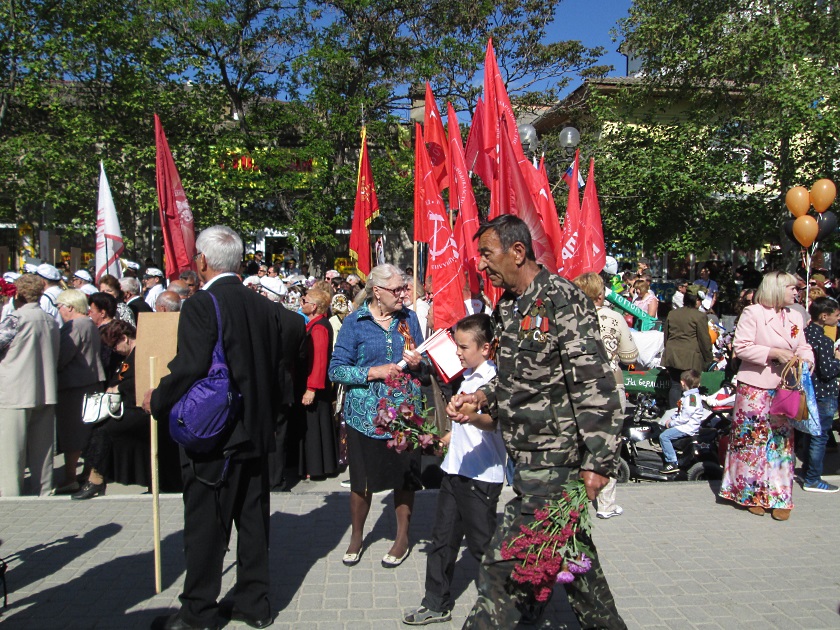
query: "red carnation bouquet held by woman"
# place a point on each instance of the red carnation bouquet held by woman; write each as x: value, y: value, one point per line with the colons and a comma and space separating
x: 549, y: 547
x: 400, y: 414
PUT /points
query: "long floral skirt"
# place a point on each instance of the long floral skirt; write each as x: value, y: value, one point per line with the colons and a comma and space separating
x: 760, y: 459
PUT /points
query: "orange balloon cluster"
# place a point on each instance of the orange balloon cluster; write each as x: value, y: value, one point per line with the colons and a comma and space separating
x: 799, y: 201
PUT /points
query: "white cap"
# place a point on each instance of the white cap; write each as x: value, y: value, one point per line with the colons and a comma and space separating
x: 611, y: 266
x: 10, y: 276
x: 154, y: 271
x: 30, y: 268
x: 88, y: 289
x: 131, y: 265
x: 48, y: 272
x: 332, y: 273
x: 81, y: 274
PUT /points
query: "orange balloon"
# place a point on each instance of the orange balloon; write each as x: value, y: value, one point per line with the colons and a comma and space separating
x: 798, y: 201
x: 805, y: 229
x: 822, y: 195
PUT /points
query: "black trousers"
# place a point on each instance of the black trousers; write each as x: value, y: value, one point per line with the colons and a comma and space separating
x: 466, y: 508
x: 277, y: 459
x: 243, y: 500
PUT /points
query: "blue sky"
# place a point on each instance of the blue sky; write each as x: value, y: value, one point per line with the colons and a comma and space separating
x: 590, y: 21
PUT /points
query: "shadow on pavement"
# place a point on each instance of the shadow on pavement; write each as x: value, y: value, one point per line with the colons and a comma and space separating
x: 299, y: 542
x: 30, y: 565
x: 103, y: 594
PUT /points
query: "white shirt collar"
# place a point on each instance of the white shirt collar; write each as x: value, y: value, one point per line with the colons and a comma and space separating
x: 209, y: 283
x: 486, y: 371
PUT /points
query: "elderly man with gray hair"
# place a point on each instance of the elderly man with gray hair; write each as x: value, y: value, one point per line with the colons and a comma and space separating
x: 252, y: 344
x: 133, y: 293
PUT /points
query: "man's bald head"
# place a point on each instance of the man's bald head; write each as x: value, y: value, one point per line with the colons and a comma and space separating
x: 168, y: 302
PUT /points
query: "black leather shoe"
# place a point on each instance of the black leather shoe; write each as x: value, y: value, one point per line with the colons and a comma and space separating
x: 89, y: 490
x: 174, y: 622
x: 227, y: 611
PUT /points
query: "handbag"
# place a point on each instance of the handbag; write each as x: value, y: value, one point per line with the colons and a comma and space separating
x: 201, y: 419
x: 99, y: 407
x: 789, y: 399
x: 811, y: 424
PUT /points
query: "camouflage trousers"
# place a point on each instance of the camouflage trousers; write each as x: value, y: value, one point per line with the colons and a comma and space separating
x: 501, y: 601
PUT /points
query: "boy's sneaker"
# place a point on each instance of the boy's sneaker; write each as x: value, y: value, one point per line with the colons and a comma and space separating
x: 820, y: 486
x: 670, y: 469
x: 423, y: 616
x: 616, y: 511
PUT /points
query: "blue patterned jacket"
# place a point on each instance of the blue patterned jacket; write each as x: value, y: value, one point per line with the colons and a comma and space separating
x: 362, y: 344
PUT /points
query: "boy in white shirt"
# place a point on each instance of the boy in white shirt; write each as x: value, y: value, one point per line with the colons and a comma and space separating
x: 474, y: 470
x: 684, y: 420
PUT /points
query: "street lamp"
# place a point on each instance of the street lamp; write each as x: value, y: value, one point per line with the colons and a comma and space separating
x: 528, y: 137
x: 569, y: 139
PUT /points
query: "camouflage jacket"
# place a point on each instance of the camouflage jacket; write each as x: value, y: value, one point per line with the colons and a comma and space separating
x: 554, y: 395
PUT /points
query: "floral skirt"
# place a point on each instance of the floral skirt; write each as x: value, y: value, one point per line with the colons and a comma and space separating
x: 760, y: 459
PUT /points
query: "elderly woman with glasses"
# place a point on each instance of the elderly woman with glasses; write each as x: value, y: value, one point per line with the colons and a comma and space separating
x: 376, y: 336
x: 318, y: 449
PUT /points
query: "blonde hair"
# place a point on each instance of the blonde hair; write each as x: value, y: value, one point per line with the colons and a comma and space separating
x: 816, y: 292
x: 591, y: 284
x: 75, y: 299
x: 771, y: 292
x: 641, y: 283
x: 320, y: 298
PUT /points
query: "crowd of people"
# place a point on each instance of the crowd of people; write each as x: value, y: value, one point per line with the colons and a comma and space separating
x: 540, y: 403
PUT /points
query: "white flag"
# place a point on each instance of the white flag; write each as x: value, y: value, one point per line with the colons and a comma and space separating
x: 109, y: 242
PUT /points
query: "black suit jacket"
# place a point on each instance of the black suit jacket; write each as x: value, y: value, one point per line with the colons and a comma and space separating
x: 293, y: 362
x: 251, y: 337
x: 138, y: 305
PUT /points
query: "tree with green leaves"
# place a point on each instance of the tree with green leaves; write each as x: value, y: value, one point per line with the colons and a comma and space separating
x: 287, y: 85
x: 733, y: 106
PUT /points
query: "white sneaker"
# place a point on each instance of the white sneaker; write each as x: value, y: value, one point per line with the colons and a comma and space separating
x: 616, y: 511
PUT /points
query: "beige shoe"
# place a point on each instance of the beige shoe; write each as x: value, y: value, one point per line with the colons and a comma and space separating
x: 780, y: 514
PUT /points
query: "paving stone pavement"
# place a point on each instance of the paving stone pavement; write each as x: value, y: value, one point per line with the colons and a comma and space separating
x: 675, y: 559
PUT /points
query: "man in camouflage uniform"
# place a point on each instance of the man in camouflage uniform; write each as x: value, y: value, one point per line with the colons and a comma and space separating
x: 556, y: 402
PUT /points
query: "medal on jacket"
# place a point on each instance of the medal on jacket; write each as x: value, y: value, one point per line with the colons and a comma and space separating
x: 534, y: 324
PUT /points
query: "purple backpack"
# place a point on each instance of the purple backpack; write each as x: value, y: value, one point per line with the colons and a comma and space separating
x: 201, y: 420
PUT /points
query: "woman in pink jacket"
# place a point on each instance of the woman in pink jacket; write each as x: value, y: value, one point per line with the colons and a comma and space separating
x: 759, y: 463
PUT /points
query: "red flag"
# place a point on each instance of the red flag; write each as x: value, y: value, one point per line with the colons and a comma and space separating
x: 477, y: 159
x: 592, y: 247
x: 570, y: 264
x: 176, y: 219
x: 444, y: 260
x: 461, y: 197
x: 548, y: 212
x: 365, y: 210
x: 515, y: 198
x: 505, y: 122
x: 436, y: 143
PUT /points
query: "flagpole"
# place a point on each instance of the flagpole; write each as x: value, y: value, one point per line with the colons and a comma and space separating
x: 414, y: 284
x: 153, y: 448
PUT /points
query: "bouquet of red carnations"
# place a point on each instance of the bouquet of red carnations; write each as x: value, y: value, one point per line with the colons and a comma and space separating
x: 400, y: 414
x: 548, y: 547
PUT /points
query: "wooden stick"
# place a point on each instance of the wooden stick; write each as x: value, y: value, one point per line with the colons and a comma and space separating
x: 153, y: 431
